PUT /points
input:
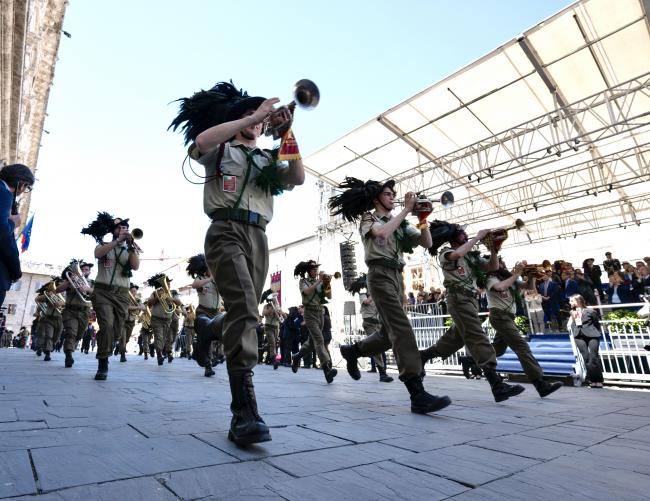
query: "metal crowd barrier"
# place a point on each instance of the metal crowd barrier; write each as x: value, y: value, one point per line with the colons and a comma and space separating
x: 622, y: 353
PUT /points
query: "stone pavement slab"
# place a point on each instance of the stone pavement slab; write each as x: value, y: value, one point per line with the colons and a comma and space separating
x: 152, y: 432
x: 16, y: 474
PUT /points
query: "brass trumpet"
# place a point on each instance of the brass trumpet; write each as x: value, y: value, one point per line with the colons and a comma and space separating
x: 305, y: 94
x: 425, y: 204
x: 494, y: 240
x: 56, y: 300
x: 79, y: 283
x: 327, y: 283
x: 136, y: 234
x: 164, y: 297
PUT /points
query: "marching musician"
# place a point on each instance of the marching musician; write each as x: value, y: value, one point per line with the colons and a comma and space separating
x: 76, y: 312
x: 462, y: 267
x: 502, y: 291
x: 116, y: 259
x: 208, y: 341
x: 371, y: 323
x: 223, y: 125
x: 173, y: 326
x: 272, y: 318
x: 50, y: 324
x: 188, y: 328
x: 161, y: 315
x: 312, y: 291
x: 133, y: 311
x: 385, y: 239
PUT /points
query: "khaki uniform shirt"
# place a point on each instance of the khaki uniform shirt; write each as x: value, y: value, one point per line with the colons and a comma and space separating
x: 368, y: 310
x: 270, y: 319
x: 222, y: 191
x: 312, y: 300
x: 109, y: 270
x: 157, y: 311
x: 209, y: 296
x: 457, y: 274
x: 383, y: 248
x: 73, y: 299
x: 501, y: 300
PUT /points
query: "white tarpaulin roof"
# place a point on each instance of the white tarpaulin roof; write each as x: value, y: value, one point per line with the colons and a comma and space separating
x: 553, y: 128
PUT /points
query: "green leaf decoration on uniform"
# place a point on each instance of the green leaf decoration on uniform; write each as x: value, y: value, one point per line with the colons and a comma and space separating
x: 268, y: 178
x: 403, y: 240
x: 473, y: 259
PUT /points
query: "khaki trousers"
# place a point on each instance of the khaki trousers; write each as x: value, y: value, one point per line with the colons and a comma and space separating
x: 49, y: 328
x: 189, y: 339
x: 160, y: 327
x: 271, y: 332
x: 238, y: 258
x: 75, y: 322
x: 466, y: 331
x: 127, y: 331
x: 387, y: 290
x: 508, y: 335
x: 111, y: 309
x: 314, y: 323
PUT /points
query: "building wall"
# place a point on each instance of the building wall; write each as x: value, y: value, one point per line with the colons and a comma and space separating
x: 20, y: 298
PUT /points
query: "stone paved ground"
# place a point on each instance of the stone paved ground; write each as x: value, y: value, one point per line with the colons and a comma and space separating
x: 154, y: 432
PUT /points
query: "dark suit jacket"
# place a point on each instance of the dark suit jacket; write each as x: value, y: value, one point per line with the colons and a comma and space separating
x: 590, y: 324
x: 571, y: 287
x: 9, y: 260
x: 553, y: 304
x: 624, y: 294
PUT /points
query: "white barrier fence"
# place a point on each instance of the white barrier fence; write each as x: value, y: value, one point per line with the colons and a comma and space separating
x: 622, y: 352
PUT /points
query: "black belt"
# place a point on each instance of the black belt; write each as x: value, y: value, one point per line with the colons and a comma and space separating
x: 115, y: 289
x: 497, y: 312
x: 241, y: 215
x: 461, y: 291
x: 386, y: 263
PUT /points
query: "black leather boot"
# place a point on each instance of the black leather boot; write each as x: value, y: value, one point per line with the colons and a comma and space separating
x: 102, y: 369
x: 383, y: 377
x: 329, y: 371
x: 209, y: 371
x: 544, y: 388
x: 246, y: 426
x: 47, y: 356
x: 295, y: 361
x: 122, y: 357
x: 465, y: 363
x: 146, y: 355
x: 351, y: 354
x: 68, y: 359
x: 152, y: 352
x: 170, y: 358
x: 427, y: 354
x: 160, y: 357
x: 423, y: 402
x: 501, y: 391
x: 116, y: 350
x: 39, y: 352
x: 207, y: 330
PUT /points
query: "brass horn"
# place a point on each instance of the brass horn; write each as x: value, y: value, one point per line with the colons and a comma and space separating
x: 305, y: 95
x: 136, y: 234
x: 494, y: 240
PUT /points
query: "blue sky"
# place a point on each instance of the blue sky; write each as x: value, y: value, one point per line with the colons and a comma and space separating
x: 108, y: 148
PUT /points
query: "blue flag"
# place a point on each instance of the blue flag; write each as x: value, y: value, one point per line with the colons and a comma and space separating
x: 26, y: 235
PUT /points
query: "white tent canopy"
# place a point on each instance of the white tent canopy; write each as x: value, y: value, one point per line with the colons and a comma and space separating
x: 553, y: 128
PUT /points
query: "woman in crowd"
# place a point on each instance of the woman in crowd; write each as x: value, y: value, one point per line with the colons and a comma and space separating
x: 585, y: 328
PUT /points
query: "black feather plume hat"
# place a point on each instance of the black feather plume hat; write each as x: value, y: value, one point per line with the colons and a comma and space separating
x: 357, y: 197
x: 357, y: 285
x: 207, y: 108
x: 303, y: 267
x: 104, y: 223
x: 197, y: 266
x: 441, y: 233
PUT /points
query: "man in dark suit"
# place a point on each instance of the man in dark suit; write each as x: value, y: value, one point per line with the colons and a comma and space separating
x: 592, y: 274
x: 15, y: 179
x: 611, y: 265
x: 550, y: 292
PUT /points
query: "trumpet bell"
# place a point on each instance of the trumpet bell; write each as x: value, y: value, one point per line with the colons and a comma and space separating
x: 519, y: 224
x: 447, y: 199
x: 137, y: 233
x: 306, y: 94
